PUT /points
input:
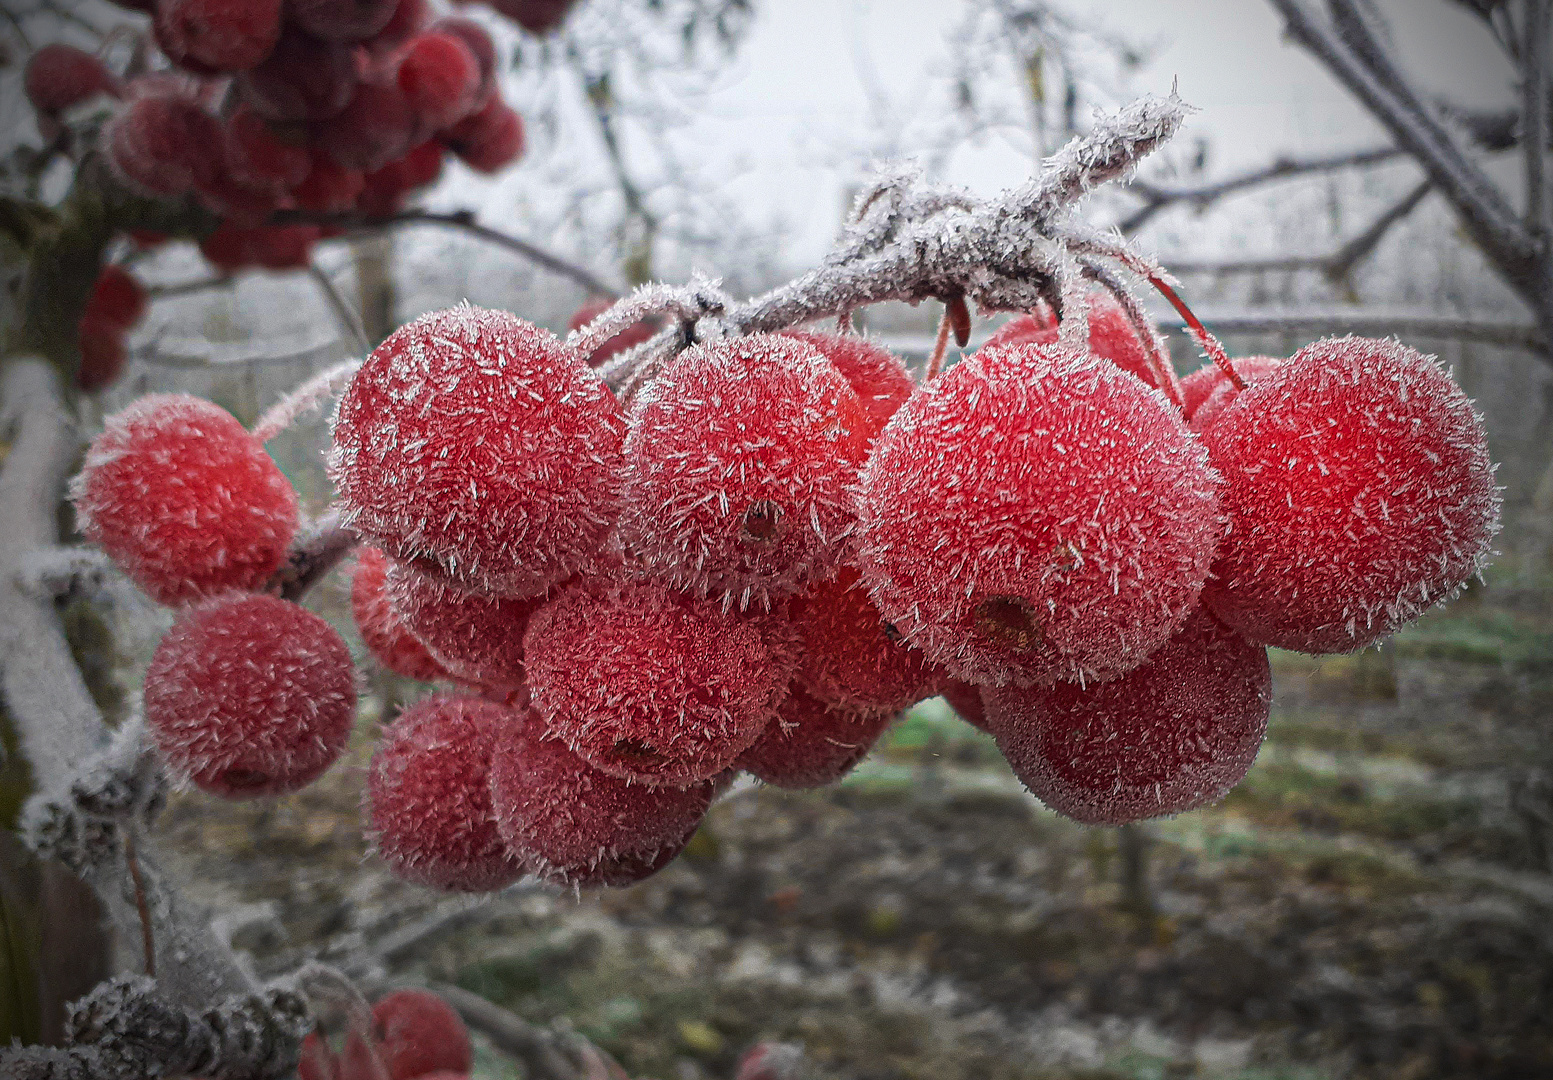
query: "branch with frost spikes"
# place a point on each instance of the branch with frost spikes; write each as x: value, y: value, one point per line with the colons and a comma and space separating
x: 1158, y: 197
x: 313, y: 555
x: 126, y: 1030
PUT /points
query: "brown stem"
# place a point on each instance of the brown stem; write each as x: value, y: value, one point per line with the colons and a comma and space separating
x: 147, y: 937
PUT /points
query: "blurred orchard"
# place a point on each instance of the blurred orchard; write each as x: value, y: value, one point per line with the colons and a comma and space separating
x: 488, y: 590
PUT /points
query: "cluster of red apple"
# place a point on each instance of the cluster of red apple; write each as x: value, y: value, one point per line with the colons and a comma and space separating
x: 779, y: 543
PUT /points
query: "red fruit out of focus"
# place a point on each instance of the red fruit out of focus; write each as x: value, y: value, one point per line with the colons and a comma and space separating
x: 184, y: 499
x: 440, y: 77
x: 876, y: 375
x: 428, y: 800
x: 250, y: 696
x: 475, y: 36
x: 535, y: 16
x: 1172, y: 735
x: 259, y: 158
x: 59, y: 77
x: 103, y: 353
x: 116, y: 304
x: 329, y: 188
x: 375, y: 127
x: 272, y: 247
x: 118, y: 298
x: 217, y: 35
x: 161, y: 144
x: 419, y: 1035
x: 341, y: 20
x: 487, y: 140
x: 383, y: 631
x: 303, y: 78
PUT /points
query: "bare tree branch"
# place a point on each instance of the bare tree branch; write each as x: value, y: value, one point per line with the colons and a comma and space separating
x: 313, y: 555
x: 349, y: 318
x: 185, y: 288
x: 1372, y: 323
x: 1158, y: 197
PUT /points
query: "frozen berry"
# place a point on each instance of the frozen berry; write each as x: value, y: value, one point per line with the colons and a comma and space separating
x: 103, y: 353
x: 851, y: 657
x: 341, y: 20
x: 566, y: 818
x: 535, y: 16
x: 408, y: 18
x: 428, y: 796
x: 1111, y: 335
x: 810, y: 743
x: 217, y: 35
x: 250, y: 696
x: 476, y: 638
x: 419, y: 1034
x: 440, y: 77
x: 259, y: 158
x: 648, y: 684
x: 1172, y: 735
x: 966, y: 701
x: 184, y: 500
x: 377, y: 126
x: 632, y: 335
x: 1359, y: 492
x: 118, y: 299
x: 1035, y: 515
x: 273, y: 247
x: 302, y: 79
x: 384, y: 190
x: 161, y: 144
x: 384, y: 632
x: 481, y: 47
x: 740, y: 462
x: 876, y: 375
x: 59, y: 77
x: 330, y: 188
x: 1221, y: 391
x: 487, y: 140
x: 475, y: 442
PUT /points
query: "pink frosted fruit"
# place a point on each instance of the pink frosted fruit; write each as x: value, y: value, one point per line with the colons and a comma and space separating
x: 160, y: 144
x: 383, y: 631
x: 475, y: 443
x: 631, y: 336
x: 648, y: 684
x: 1111, y: 335
x: 428, y: 796
x: 302, y: 79
x: 740, y: 460
x: 418, y: 1034
x: 250, y: 696
x: 851, y: 657
x: 876, y: 375
x: 378, y: 125
x: 59, y: 77
x: 476, y: 638
x: 184, y: 500
x: 440, y: 77
x: 966, y: 701
x: 219, y: 35
x: 567, y: 819
x: 1035, y: 515
x: 1210, y: 395
x: 1172, y: 735
x: 810, y: 744
x: 1359, y: 493
x: 489, y: 139
x: 259, y: 158
x: 341, y: 20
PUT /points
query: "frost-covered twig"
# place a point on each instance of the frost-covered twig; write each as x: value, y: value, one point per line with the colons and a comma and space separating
x: 313, y: 555
x: 285, y: 412
x: 48, y: 573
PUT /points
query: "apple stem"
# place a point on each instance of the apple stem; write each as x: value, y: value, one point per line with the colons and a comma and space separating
x: 935, y: 362
x: 1209, y: 343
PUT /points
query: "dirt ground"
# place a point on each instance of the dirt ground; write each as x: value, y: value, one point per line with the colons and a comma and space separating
x: 1370, y: 903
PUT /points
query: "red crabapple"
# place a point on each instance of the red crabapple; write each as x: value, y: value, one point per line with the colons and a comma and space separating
x: 535, y: 16
x: 302, y: 79
x: 184, y: 500
x: 439, y: 76
x: 103, y: 353
x: 259, y: 158
x: 383, y: 631
x: 160, y: 144
x: 1035, y: 514
x: 475, y: 443
x: 384, y: 190
x: 272, y: 247
x: 876, y: 375
x: 217, y: 35
x: 59, y: 77
x: 250, y: 696
x: 476, y: 638
x: 1359, y: 493
x: 564, y: 817
x: 966, y: 700
x: 341, y: 20
x: 377, y: 126
x: 1111, y: 335
x: 1171, y: 735
x: 480, y: 46
x: 330, y: 188
x: 428, y: 796
x: 118, y: 298
x: 419, y: 1034
x: 740, y: 461
x: 648, y: 684
x: 631, y: 336
x: 810, y: 744
x: 1249, y: 369
x: 408, y: 18
x: 850, y: 656
x: 487, y: 140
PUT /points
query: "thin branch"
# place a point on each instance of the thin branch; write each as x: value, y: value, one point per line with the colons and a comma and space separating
x: 147, y: 933
x: 189, y: 362
x: 1372, y: 323
x: 349, y: 318
x: 16, y: 25
x: 318, y: 551
x: 185, y: 288
x: 1159, y: 196
x: 1534, y: 109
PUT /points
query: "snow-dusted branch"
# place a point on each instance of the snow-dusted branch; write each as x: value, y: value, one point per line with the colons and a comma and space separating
x: 317, y: 551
